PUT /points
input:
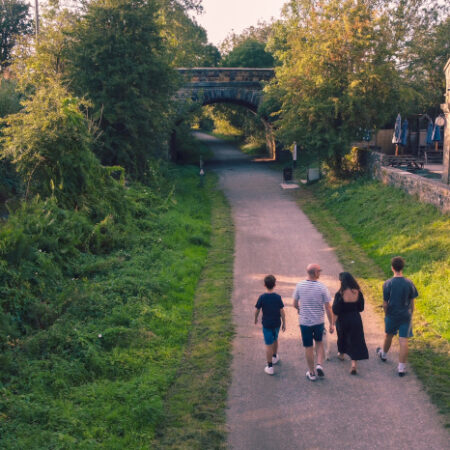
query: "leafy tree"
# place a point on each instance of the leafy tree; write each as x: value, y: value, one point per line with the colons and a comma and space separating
x: 337, y: 75
x: 49, y: 142
x: 425, y: 57
x: 187, y: 41
x: 249, y: 53
x: 14, y: 21
x: 259, y: 33
x: 118, y: 58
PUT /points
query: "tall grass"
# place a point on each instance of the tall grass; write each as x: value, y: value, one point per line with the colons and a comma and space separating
x: 97, y: 371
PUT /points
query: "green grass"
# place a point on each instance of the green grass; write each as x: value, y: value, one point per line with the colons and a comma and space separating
x: 255, y: 148
x: 369, y: 223
x: 195, y: 405
x: 102, y: 374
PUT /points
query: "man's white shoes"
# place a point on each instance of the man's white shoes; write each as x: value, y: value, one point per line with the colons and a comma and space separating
x: 275, y: 359
x: 268, y: 370
x: 311, y: 376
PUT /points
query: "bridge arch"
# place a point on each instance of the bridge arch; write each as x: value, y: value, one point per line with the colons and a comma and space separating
x: 237, y: 85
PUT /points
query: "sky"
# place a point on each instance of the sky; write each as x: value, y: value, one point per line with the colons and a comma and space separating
x: 221, y: 17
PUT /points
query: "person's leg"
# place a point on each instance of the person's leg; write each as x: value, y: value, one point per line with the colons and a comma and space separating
x: 317, y: 331
x: 307, y: 339
x: 320, y: 352
x: 309, y: 353
x: 275, y: 348
x: 387, y: 342
x: 268, y: 340
x: 403, y: 356
x: 353, y: 370
x: 269, y: 352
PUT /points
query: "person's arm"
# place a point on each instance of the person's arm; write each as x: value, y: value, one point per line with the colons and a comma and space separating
x: 386, y: 296
x: 257, y: 314
x: 283, y: 319
x: 411, y: 306
x: 329, y: 312
x: 361, y: 302
x: 296, y: 299
x: 337, y: 302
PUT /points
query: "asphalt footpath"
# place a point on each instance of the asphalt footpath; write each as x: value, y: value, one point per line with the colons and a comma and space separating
x: 375, y: 409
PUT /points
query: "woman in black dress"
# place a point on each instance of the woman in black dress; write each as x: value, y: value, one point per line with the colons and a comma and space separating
x: 347, y: 305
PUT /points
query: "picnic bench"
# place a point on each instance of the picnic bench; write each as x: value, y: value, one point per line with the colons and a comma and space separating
x: 433, y: 157
x: 409, y: 162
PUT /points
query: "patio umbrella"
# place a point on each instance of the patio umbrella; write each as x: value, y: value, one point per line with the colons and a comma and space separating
x: 404, y: 135
x: 436, y: 136
x: 397, y: 133
x: 430, y: 133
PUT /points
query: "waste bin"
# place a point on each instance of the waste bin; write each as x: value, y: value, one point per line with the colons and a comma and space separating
x: 287, y: 174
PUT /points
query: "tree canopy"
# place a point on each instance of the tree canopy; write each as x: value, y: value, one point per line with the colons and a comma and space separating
x: 14, y: 21
x: 248, y: 53
x: 342, y: 70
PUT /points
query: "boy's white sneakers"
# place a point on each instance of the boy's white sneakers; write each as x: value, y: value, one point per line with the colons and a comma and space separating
x: 275, y: 359
x: 268, y: 370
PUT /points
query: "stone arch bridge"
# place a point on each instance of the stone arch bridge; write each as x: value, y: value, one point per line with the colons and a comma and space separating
x: 238, y: 85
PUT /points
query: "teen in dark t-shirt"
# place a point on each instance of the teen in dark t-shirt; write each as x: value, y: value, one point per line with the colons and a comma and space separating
x: 398, y: 304
x: 273, y: 317
x: 398, y: 292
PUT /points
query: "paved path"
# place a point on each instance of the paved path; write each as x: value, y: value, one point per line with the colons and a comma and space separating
x: 374, y: 410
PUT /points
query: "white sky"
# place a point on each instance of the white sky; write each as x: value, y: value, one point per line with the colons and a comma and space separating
x: 221, y: 17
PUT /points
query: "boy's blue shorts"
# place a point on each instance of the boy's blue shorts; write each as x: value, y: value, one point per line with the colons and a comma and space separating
x: 270, y: 335
x: 392, y: 326
x: 311, y: 332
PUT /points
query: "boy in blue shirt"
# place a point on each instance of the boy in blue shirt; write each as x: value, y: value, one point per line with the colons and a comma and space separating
x: 273, y: 317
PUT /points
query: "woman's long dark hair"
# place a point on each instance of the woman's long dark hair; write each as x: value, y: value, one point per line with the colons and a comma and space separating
x: 347, y: 282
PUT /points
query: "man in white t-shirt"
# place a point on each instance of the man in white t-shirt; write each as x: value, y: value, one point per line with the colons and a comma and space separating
x: 312, y: 299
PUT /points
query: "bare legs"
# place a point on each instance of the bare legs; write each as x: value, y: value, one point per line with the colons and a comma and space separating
x: 387, y: 342
x: 320, y: 352
x: 403, y: 354
x: 309, y: 353
x: 271, y: 350
x: 403, y: 350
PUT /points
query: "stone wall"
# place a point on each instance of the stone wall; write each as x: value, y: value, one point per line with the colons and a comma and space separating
x: 427, y: 190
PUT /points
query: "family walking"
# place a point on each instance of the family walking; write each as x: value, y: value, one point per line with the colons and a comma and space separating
x: 312, y: 300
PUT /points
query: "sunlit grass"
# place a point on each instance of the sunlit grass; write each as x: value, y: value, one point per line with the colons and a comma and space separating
x: 100, y: 375
x: 369, y: 223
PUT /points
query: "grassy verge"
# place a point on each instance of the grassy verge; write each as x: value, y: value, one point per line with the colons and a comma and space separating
x: 97, y: 372
x: 195, y: 406
x: 368, y: 223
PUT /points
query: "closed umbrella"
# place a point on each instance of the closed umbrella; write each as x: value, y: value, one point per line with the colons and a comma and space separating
x: 430, y: 133
x: 404, y: 136
x: 436, y: 136
x: 396, y: 138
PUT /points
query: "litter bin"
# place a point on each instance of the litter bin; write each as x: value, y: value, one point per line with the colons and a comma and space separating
x: 287, y: 174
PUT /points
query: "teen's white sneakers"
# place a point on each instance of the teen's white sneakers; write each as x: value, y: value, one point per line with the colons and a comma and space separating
x: 268, y: 370
x: 275, y: 359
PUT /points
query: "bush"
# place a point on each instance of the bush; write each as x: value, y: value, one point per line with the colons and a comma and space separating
x: 9, y: 104
x: 49, y: 142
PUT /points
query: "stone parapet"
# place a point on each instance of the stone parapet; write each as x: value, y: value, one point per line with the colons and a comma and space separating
x: 427, y: 190
x: 225, y: 74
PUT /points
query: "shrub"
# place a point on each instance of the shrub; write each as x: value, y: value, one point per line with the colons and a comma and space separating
x: 49, y: 142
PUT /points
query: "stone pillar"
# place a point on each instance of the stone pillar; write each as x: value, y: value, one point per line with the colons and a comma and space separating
x: 446, y: 109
